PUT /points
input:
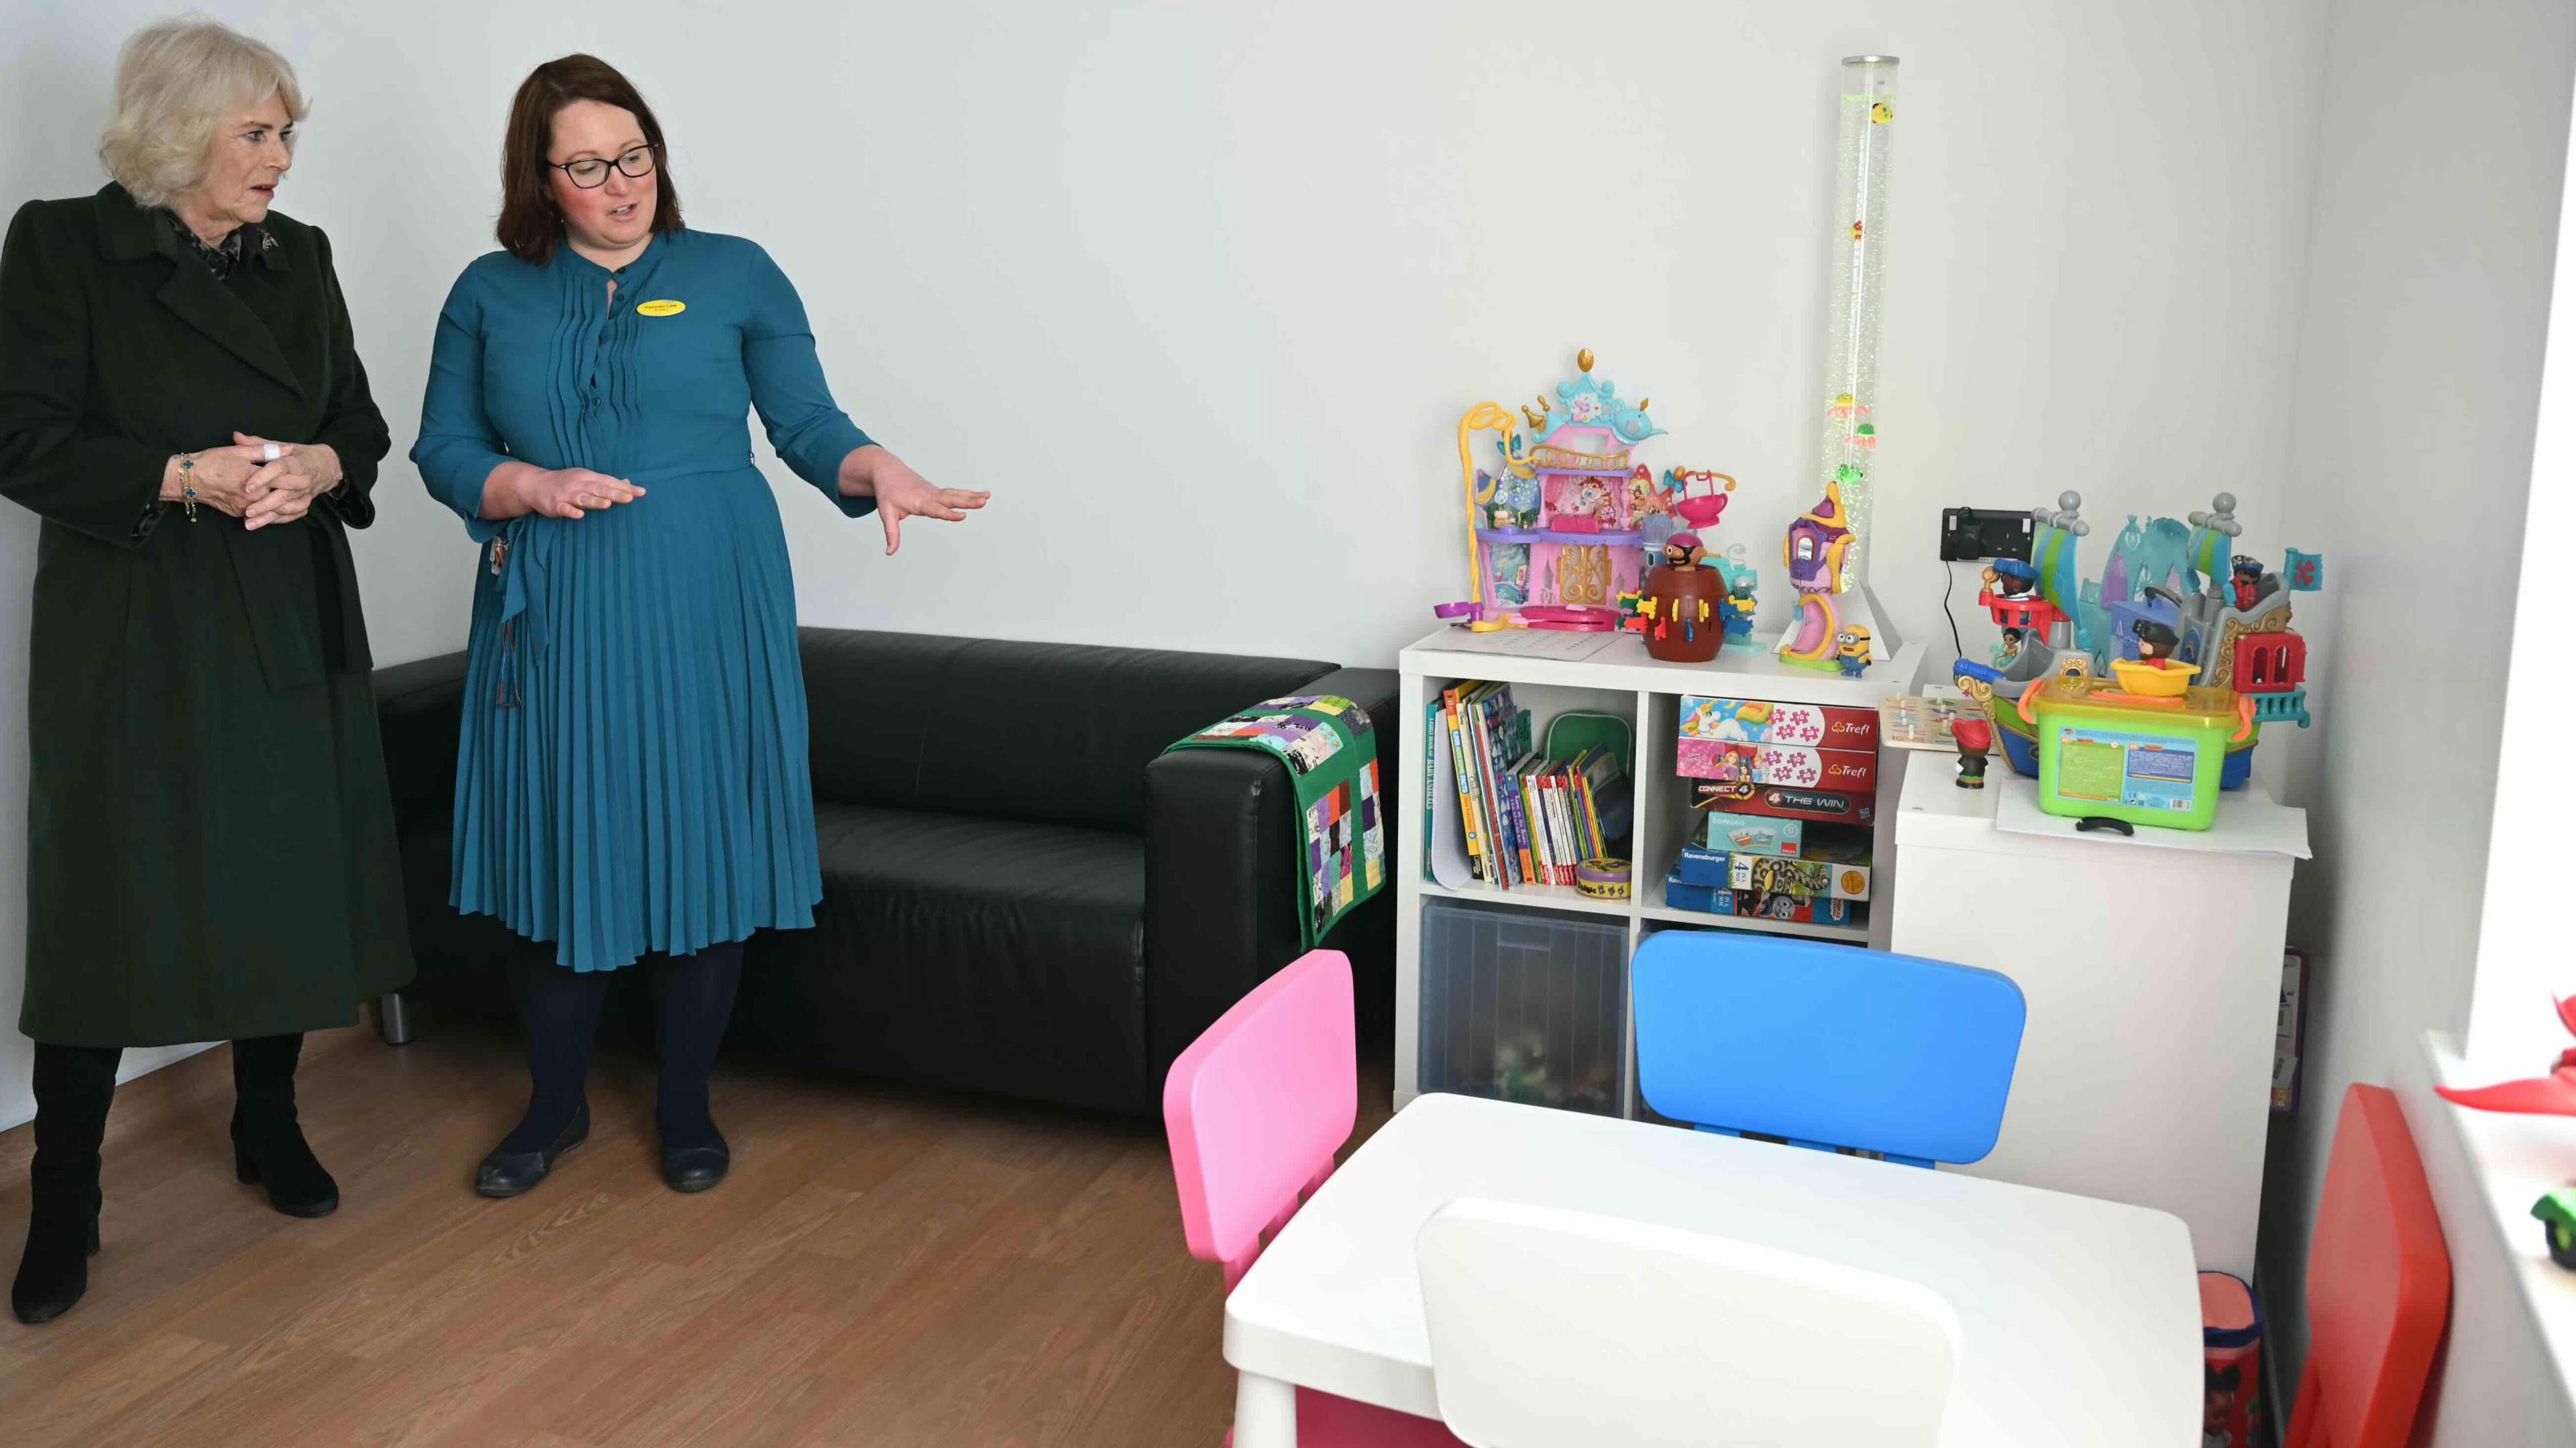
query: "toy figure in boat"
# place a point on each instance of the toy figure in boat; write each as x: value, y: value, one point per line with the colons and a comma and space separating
x: 2156, y: 640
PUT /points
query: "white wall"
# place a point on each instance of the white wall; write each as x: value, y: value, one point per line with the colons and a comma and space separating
x: 2444, y: 146
x: 1200, y: 291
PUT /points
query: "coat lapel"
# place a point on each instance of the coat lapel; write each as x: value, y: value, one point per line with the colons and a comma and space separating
x: 209, y: 306
x: 192, y: 292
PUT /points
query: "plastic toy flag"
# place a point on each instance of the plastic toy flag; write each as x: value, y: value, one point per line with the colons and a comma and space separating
x: 2307, y: 571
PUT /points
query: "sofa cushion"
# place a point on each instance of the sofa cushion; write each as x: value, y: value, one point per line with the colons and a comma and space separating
x: 979, y: 953
x: 1054, y: 734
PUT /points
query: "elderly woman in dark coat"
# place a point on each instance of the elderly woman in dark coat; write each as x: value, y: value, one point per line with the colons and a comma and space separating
x: 211, y: 851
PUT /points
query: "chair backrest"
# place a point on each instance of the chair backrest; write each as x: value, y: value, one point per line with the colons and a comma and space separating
x: 1826, y: 1045
x: 1558, y: 1329
x: 1258, y: 1104
x: 2379, y: 1284
x: 1041, y: 733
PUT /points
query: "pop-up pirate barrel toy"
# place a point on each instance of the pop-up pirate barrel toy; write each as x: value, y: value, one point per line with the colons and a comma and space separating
x: 2146, y: 748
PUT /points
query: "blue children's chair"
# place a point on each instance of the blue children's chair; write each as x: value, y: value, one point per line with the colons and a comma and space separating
x: 1825, y: 1045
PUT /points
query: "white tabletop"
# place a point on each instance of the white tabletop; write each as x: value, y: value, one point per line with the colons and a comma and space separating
x: 2079, y: 1319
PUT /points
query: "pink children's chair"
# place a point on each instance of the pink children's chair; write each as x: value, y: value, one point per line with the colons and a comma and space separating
x: 1255, y: 1109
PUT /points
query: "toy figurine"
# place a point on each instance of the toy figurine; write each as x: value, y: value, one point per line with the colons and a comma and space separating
x: 2556, y: 1210
x: 1851, y: 650
x: 2156, y: 641
x: 2245, y: 578
x: 1974, y: 736
x: 1652, y: 506
x: 2010, y: 649
x: 1684, y: 550
x: 2010, y: 578
x: 1739, y: 610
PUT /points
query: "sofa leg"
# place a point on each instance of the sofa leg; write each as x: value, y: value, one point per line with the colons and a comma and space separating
x: 393, y: 1019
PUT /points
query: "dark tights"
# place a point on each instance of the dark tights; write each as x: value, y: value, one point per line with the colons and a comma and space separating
x: 559, y: 1016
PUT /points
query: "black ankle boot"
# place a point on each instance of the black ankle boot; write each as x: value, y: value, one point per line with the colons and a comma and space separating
x: 268, y: 1143
x: 74, y: 1085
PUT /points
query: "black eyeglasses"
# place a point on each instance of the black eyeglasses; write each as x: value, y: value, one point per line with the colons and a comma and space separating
x: 590, y: 173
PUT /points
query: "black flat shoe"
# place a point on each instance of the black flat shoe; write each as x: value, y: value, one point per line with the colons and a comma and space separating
x: 508, y: 1173
x: 696, y: 1168
x: 269, y: 1150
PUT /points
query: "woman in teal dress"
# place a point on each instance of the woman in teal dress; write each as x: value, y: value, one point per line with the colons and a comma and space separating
x: 632, y: 781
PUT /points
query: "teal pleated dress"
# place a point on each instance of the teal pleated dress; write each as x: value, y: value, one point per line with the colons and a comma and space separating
x: 632, y: 775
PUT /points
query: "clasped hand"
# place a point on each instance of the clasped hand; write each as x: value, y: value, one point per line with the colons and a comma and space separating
x: 240, y: 481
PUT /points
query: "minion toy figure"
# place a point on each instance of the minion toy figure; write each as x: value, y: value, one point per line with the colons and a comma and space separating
x: 1851, y: 650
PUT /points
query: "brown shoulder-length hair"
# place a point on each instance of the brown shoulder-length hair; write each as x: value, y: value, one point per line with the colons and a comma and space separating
x: 530, y: 225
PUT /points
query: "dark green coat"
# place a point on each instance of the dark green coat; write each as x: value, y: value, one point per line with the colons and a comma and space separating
x: 211, y: 847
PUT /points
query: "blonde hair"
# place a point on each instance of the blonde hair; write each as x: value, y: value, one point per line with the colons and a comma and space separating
x: 176, y: 83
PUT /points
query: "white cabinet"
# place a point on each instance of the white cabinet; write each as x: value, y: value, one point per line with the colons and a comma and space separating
x: 2153, y: 973
x: 1601, y: 673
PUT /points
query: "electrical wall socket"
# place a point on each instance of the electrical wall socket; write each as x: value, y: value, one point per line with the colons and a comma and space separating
x: 1971, y: 533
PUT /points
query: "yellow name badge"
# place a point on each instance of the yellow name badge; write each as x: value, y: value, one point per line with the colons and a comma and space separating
x: 661, y: 309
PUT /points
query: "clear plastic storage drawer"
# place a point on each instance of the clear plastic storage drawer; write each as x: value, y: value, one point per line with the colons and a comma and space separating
x: 1521, y: 1005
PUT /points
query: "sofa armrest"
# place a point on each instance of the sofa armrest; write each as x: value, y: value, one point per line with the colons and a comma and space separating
x: 1376, y: 691
x: 1221, y: 903
x: 420, y: 709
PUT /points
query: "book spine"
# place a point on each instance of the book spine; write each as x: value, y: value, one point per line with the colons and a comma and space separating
x: 1481, y: 760
x: 1469, y: 811
x: 1564, y: 842
x: 1578, y: 830
x: 1580, y: 818
x: 1591, y: 811
x: 1545, y: 786
x: 1430, y: 785
x: 1497, y: 761
x: 1521, y: 833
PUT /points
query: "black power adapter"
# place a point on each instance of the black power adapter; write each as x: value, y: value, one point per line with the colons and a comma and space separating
x: 1972, y: 533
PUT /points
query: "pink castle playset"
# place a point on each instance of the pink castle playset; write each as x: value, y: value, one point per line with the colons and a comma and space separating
x: 1561, y: 533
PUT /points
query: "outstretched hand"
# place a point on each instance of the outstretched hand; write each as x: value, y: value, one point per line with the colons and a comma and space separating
x: 902, y: 493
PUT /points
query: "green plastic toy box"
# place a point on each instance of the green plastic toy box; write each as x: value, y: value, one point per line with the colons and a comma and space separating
x: 2107, y: 753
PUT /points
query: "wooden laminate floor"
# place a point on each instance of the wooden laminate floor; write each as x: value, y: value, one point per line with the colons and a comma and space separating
x: 885, y: 1267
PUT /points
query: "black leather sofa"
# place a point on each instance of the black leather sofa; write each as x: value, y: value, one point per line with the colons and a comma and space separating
x: 1021, y: 893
